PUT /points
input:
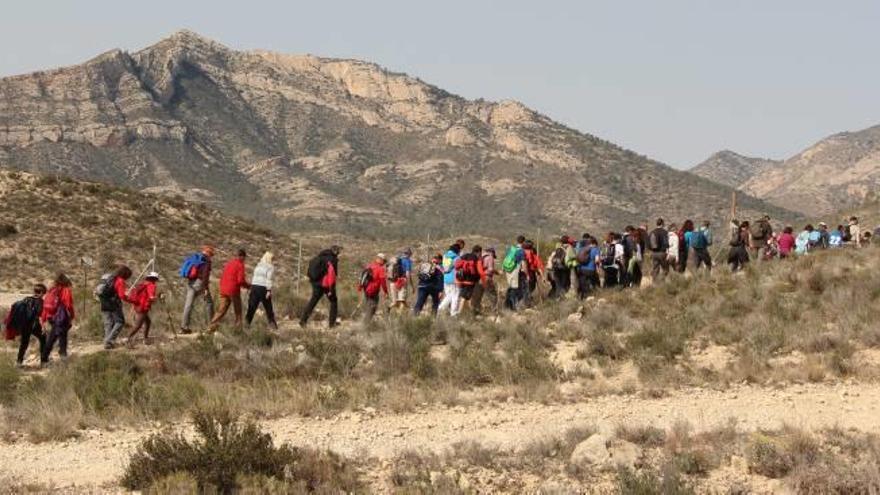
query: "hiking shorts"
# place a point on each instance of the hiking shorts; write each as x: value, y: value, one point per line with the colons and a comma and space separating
x: 466, y: 292
x: 395, y: 294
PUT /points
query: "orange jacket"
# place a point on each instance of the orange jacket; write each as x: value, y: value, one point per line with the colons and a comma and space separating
x: 57, y: 295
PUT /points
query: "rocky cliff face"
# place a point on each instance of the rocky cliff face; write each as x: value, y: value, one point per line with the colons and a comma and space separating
x: 732, y: 169
x: 320, y: 143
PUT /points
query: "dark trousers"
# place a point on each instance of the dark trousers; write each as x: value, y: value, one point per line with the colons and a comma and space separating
x: 516, y: 297
x: 587, y: 279
x: 659, y: 262
x: 371, y: 304
x: 612, y: 276
x: 422, y: 297
x: 258, y: 296
x: 37, y: 332
x: 699, y: 257
x: 57, y: 334
x: 562, y: 281
x: 317, y: 293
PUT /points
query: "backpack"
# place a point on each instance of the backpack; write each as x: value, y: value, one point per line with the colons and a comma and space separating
x: 317, y: 269
x: 189, y: 269
x: 698, y: 240
x: 558, y: 262
x: 757, y: 230
x: 627, y: 247
x: 21, y: 315
x: 654, y: 241
x: 608, y: 255
x: 396, y: 269
x: 365, y: 278
x: 106, y: 293
x: 583, y: 255
x: 328, y: 281
x: 847, y: 233
x: 52, y: 305
x: 466, y: 268
x: 426, y: 272
x: 509, y: 264
x: 735, y: 237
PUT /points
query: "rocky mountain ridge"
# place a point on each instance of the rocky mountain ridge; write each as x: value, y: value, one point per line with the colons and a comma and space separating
x: 313, y: 143
x: 732, y: 169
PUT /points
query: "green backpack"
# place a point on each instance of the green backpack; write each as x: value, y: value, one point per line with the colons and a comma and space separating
x: 509, y: 264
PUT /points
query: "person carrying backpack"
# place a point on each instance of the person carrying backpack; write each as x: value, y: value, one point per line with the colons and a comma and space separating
x: 802, y: 242
x: 23, y: 320
x: 322, y: 276
x: 232, y: 281
x: 142, y: 297
x: 470, y: 274
x: 738, y: 256
x: 373, y: 286
x: 612, y: 260
x: 855, y: 231
x: 588, y: 258
x: 196, y: 270
x: 835, y: 237
x: 515, y: 270
x: 59, y: 313
x: 697, y: 243
x: 658, y: 245
x: 558, y: 270
x: 632, y: 252
x: 261, y: 290
x: 785, y: 243
x: 399, y: 272
x: 488, y: 289
x: 112, y: 292
x: 450, y: 289
x: 430, y: 284
x: 759, y: 233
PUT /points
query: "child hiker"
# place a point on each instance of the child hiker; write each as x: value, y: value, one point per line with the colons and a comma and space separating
x: 142, y: 298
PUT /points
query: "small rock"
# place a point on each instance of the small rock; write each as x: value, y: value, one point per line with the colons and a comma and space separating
x: 591, y: 452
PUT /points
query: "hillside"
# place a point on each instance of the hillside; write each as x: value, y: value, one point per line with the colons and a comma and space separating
x: 322, y: 144
x: 732, y: 169
x: 47, y: 224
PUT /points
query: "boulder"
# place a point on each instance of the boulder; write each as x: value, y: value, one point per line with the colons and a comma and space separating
x: 591, y: 452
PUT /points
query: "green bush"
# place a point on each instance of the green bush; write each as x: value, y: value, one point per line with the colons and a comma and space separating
x: 9, y: 377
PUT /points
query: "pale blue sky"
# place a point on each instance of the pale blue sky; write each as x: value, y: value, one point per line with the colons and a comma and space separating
x: 672, y: 79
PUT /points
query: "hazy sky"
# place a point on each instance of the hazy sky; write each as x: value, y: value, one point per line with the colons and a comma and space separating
x: 672, y: 79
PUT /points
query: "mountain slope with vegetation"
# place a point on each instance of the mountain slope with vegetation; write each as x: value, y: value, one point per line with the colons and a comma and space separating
x: 732, y: 169
x: 315, y: 143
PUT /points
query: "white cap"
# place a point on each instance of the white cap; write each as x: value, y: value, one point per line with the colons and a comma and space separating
x: 382, y: 257
x: 153, y: 275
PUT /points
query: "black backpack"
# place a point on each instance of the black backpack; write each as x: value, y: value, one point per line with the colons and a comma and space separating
x: 317, y: 269
x: 106, y: 292
x: 365, y: 278
x: 558, y: 259
x: 608, y: 258
x: 396, y: 271
x: 24, y: 314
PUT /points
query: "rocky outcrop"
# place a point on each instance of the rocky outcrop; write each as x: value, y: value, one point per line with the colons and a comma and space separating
x: 732, y: 169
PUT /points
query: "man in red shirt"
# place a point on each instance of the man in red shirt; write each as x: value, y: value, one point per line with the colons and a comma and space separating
x: 375, y: 284
x: 231, y: 282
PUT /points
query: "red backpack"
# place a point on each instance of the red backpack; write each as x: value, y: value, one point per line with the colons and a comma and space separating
x: 328, y: 281
x: 466, y: 268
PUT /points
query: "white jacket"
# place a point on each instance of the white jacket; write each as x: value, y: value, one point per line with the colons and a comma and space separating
x: 263, y: 274
x: 672, y: 252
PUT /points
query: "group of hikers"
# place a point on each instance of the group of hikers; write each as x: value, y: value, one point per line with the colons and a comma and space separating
x: 458, y: 279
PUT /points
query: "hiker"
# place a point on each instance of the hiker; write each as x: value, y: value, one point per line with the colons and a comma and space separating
x: 322, y: 275
x: 738, y: 256
x: 835, y: 238
x: 373, y: 284
x: 698, y: 242
x: 759, y: 233
x: 534, y: 268
x: 815, y: 238
x: 232, y: 280
x: 111, y: 292
x: 658, y: 244
x: 59, y: 312
x: 399, y: 272
x: 824, y: 236
x: 587, y: 258
x: 785, y: 243
x: 196, y: 270
x: 261, y: 290
x: 515, y: 271
x: 430, y: 284
x: 771, y: 249
x: 855, y: 231
x: 612, y: 260
x: 687, y: 226
x: 558, y: 271
x: 673, y: 252
x: 632, y: 256
x: 487, y: 289
x: 802, y: 242
x: 23, y: 320
x: 469, y: 273
x: 142, y: 297
x: 450, y: 289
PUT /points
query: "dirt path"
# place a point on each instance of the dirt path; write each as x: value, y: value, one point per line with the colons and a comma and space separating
x: 98, y: 458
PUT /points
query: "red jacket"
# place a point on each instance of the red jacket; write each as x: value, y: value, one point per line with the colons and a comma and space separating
x: 233, y: 280
x: 142, y: 298
x: 377, y: 280
x: 533, y: 263
x: 57, y: 294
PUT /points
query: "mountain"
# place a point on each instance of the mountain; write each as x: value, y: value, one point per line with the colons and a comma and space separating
x: 732, y: 169
x: 298, y: 141
x: 839, y: 172
x: 49, y: 223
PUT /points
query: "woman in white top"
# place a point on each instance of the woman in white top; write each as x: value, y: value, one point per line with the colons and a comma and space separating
x: 261, y: 290
x: 672, y: 252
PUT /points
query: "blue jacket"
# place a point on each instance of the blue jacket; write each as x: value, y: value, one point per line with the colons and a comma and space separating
x: 449, y: 260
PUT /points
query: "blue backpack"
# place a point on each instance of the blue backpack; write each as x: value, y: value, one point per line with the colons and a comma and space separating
x: 698, y: 240
x: 190, y: 267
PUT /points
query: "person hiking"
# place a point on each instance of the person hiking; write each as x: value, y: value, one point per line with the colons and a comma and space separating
x: 759, y: 233
x: 399, y: 273
x: 450, y: 300
x: 488, y: 289
x: 322, y: 276
x: 373, y: 284
x: 430, y: 284
x: 673, y: 252
x: 514, y: 267
x: 112, y: 292
x: 771, y: 249
x: 612, y: 260
x: 633, y: 246
x: 802, y: 241
x: 23, y: 320
x: 835, y: 238
x: 658, y: 245
x: 785, y: 243
x: 261, y: 290
x: 815, y: 239
x: 534, y: 268
x: 738, y: 255
x: 142, y: 297
x: 687, y: 226
x: 558, y: 271
x: 232, y: 281
x: 697, y: 243
x: 587, y: 257
x: 59, y: 312
x: 469, y: 273
x: 824, y: 235
x: 196, y: 270
x: 855, y: 232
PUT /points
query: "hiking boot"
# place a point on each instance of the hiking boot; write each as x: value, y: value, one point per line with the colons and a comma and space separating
x: 19, y: 365
x: 185, y: 331
x: 108, y: 346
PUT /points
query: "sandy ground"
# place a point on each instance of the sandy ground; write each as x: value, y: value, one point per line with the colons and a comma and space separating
x: 97, y: 458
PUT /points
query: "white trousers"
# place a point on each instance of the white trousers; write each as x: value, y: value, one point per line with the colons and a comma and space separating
x: 450, y: 300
